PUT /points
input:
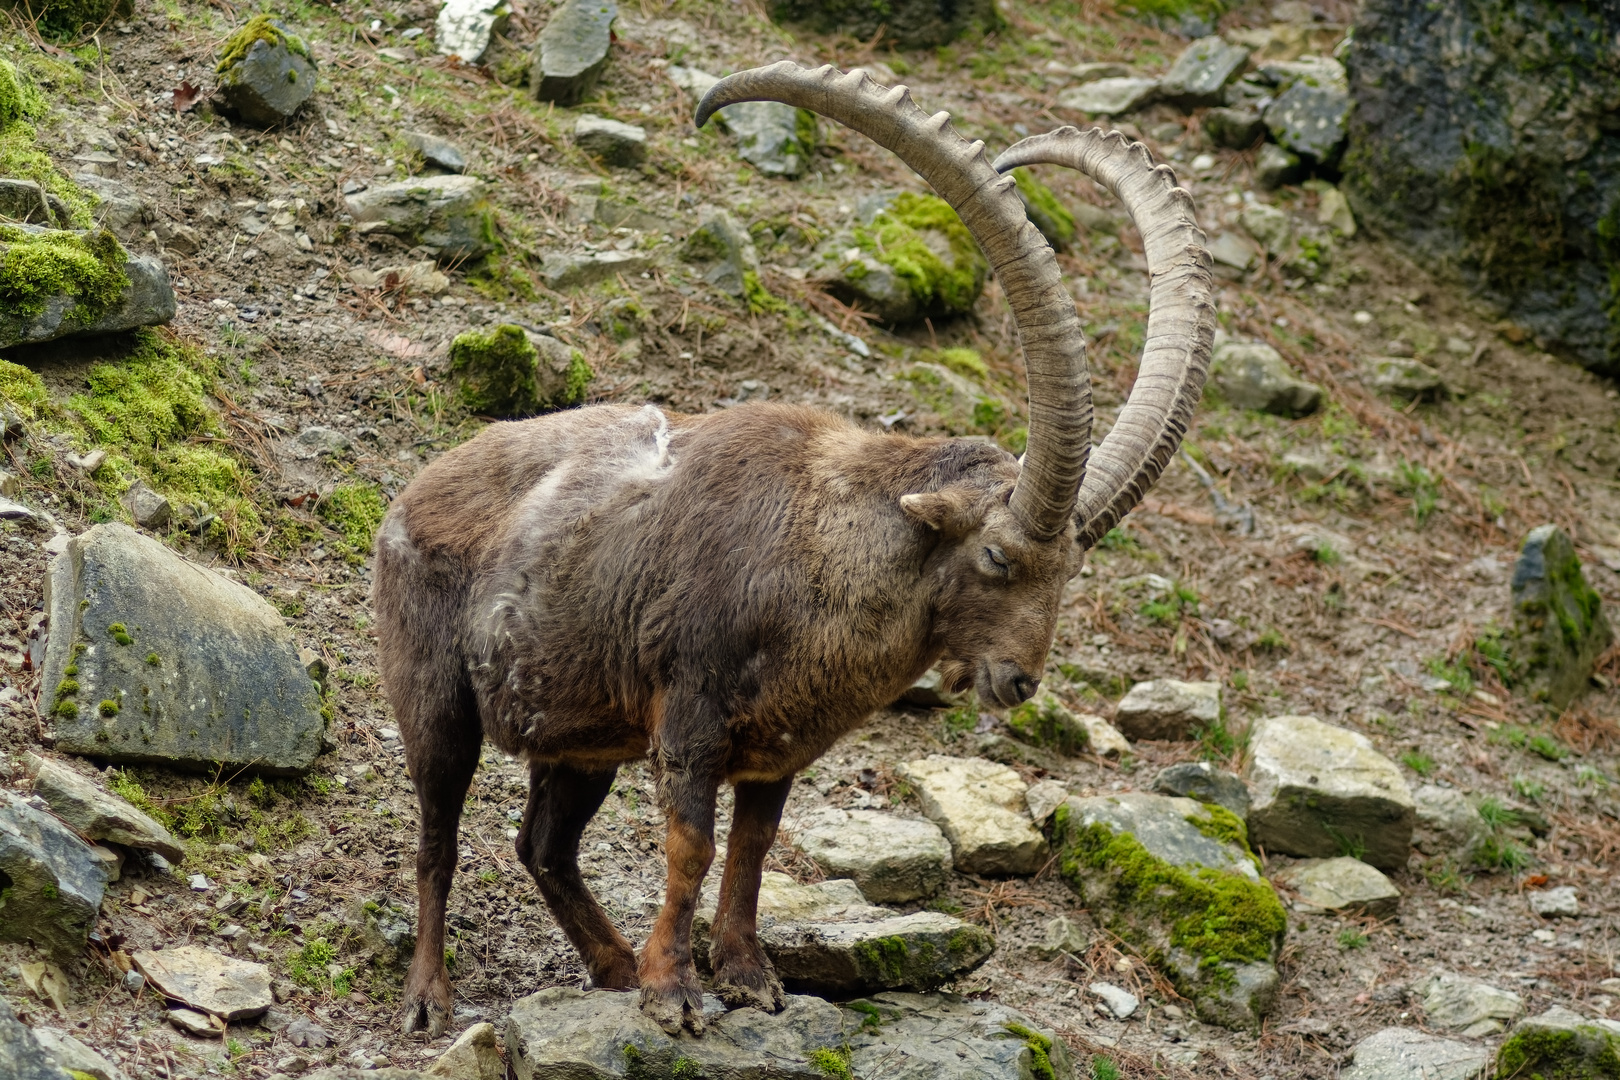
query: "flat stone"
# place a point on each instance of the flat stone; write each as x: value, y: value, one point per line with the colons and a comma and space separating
x: 270, y: 83
x: 1064, y: 936
x: 942, y: 1037
x: 119, y: 207
x: 930, y: 692
x: 774, y: 138
x: 1235, y: 129
x: 1202, y: 781
x: 21, y: 1055
x: 317, y: 440
x: 1340, y: 886
x: 576, y: 271
x: 200, y: 1024
x: 980, y: 805
x: 473, y: 1056
x: 1559, y: 628
x: 1403, y: 1054
x: 572, y: 50
x: 207, y: 981
x: 1200, y: 74
x: 71, y: 1054
x: 1110, y: 97
x: 722, y: 248
x: 1168, y: 709
x: 149, y: 509
x: 436, y: 151
x: 11, y: 510
x: 148, y: 300
x: 827, y: 939
x: 1458, y: 1002
x: 1550, y: 903
x: 1558, y: 1044
x: 449, y: 214
x: 1121, y: 1003
x: 893, y: 859
x: 1043, y: 798
x: 614, y: 143
x: 1255, y: 376
x: 465, y: 28
x: 1102, y: 738
x: 54, y: 882
x: 1228, y: 249
x: 1447, y: 823
x: 97, y: 814
x: 1405, y: 378
x: 1181, y: 861
x: 1320, y: 791
x: 226, y: 685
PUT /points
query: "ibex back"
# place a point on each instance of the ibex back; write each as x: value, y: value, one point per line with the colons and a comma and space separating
x: 731, y: 593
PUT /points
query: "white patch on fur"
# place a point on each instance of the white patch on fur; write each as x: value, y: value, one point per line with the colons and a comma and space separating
x: 394, y: 537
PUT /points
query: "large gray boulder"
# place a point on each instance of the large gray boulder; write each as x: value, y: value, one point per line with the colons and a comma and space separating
x: 21, y: 1055
x: 1404, y: 1053
x: 1200, y: 74
x: 572, y: 50
x: 980, y: 806
x: 1255, y: 376
x: 827, y: 939
x: 1467, y: 1005
x: 125, y: 292
x: 153, y: 658
x: 1176, y: 879
x: 892, y: 859
x: 1500, y: 171
x: 941, y: 1037
x: 448, y: 214
x: 53, y: 881
x: 910, y: 24
x: 1321, y: 791
x: 266, y: 72
x: 97, y: 814
x: 1559, y: 628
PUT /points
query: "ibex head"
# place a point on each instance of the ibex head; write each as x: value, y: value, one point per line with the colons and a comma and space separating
x: 1011, y: 537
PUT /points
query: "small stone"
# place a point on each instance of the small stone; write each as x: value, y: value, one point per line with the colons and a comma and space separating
x: 200, y: 883
x: 1235, y: 129
x: 120, y: 208
x: 1458, y: 1002
x: 315, y: 441
x: 1102, y: 738
x: 74, y: 1056
x: 1320, y: 791
x: 197, y: 1023
x: 1403, y: 1053
x: 930, y: 692
x: 1408, y: 379
x: 449, y: 214
x: 96, y: 814
x: 776, y: 139
x: 1110, y: 97
x: 265, y: 72
x: 1310, y: 117
x: 1063, y: 936
x: 1200, y: 74
x: 1340, y: 886
x: 1271, y: 227
x: 86, y: 463
x: 465, y: 27
x: 1228, y: 249
x: 182, y: 239
x: 1255, y: 376
x: 892, y: 859
x: 623, y: 145
x: 1043, y: 798
x: 1560, y: 1043
x: 1447, y: 823
x: 207, y: 981
x: 980, y: 806
x: 1333, y: 210
x: 1202, y: 781
x: 562, y: 272
x: 509, y: 372
x: 436, y: 151
x: 1168, y: 709
x: 133, y: 981
x: 54, y: 883
x: 10, y: 510
x: 473, y: 1056
x: 1559, y: 628
x: 1274, y: 166
x: 1120, y: 1003
x: 572, y: 50
x: 1550, y: 903
x: 147, y: 299
x: 725, y: 251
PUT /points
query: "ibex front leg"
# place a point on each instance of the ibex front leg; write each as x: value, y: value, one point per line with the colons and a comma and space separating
x: 691, y: 746
x: 743, y: 976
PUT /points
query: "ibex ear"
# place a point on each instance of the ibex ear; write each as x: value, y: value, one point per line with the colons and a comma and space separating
x: 948, y: 511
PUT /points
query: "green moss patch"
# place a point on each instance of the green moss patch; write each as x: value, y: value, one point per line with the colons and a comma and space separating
x: 354, y: 510
x: 36, y: 266
x: 1040, y: 1051
x: 65, y: 20
x: 1043, y: 721
x: 1045, y: 212
x: 22, y: 389
x: 497, y: 371
x: 1542, y: 1054
x: 22, y: 107
x: 897, y: 237
x: 259, y: 28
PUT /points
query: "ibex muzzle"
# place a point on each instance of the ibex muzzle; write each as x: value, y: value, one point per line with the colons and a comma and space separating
x: 731, y: 593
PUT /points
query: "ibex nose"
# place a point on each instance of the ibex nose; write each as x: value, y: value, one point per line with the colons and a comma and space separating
x: 1025, y: 686
x: 1011, y: 685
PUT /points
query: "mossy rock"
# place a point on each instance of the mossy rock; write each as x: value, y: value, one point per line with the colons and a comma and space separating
x: 265, y: 71
x: 55, y: 283
x: 1176, y: 879
x: 507, y: 373
x: 1559, y: 628
x: 1046, y: 212
x: 909, y: 259
x: 1561, y: 1045
x: 1045, y: 721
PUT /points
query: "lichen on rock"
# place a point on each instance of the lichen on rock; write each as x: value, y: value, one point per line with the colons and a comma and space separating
x: 1045, y: 211
x: 505, y: 373
x: 1558, y: 623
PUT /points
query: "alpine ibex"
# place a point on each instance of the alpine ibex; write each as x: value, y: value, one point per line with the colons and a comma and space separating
x: 730, y: 593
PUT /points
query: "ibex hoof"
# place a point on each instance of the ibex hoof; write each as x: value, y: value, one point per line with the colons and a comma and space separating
x: 429, y: 1015
x: 675, y: 1007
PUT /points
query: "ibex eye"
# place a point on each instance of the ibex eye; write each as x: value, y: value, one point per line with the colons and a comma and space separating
x: 997, y: 556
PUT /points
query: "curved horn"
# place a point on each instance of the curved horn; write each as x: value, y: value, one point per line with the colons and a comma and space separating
x: 1181, y: 317
x: 1054, y: 345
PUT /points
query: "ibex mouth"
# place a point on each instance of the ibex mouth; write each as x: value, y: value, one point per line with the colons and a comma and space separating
x: 957, y: 675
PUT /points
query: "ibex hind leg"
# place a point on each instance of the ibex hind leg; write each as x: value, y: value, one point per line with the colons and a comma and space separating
x: 743, y: 976
x: 562, y: 801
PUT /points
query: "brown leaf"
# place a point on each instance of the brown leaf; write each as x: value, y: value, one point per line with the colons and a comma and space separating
x: 186, y: 96
x: 396, y: 344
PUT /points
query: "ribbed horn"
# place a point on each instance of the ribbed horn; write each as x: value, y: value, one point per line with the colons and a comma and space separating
x: 1181, y: 317
x: 1054, y: 345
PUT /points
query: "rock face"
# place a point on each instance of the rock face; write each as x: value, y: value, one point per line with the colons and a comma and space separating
x: 892, y: 859
x: 1340, y: 885
x: 464, y: 27
x: 911, y: 24
x: 610, y: 141
x: 572, y: 50
x: 97, y: 814
x: 54, y: 881
x: 448, y: 214
x: 1200, y: 74
x: 1558, y: 1044
x: 1467, y: 1005
x: 123, y: 291
x: 1110, y: 97
x: 1255, y: 376
x: 509, y: 372
x: 1474, y: 161
x: 1447, y: 823
x: 1202, y: 781
x: 153, y: 658
x: 265, y: 72
x: 21, y: 1056
x: 1558, y: 623
x: 208, y: 982
x: 776, y: 139
x: 1321, y: 791
x: 827, y: 939
x: 1175, y: 878
x: 1168, y: 709
x: 1402, y: 1053
x: 980, y: 806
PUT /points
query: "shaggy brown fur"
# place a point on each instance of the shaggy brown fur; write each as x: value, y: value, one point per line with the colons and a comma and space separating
x: 729, y: 593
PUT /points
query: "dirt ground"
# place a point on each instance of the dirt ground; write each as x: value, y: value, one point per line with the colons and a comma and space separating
x: 1384, y: 533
